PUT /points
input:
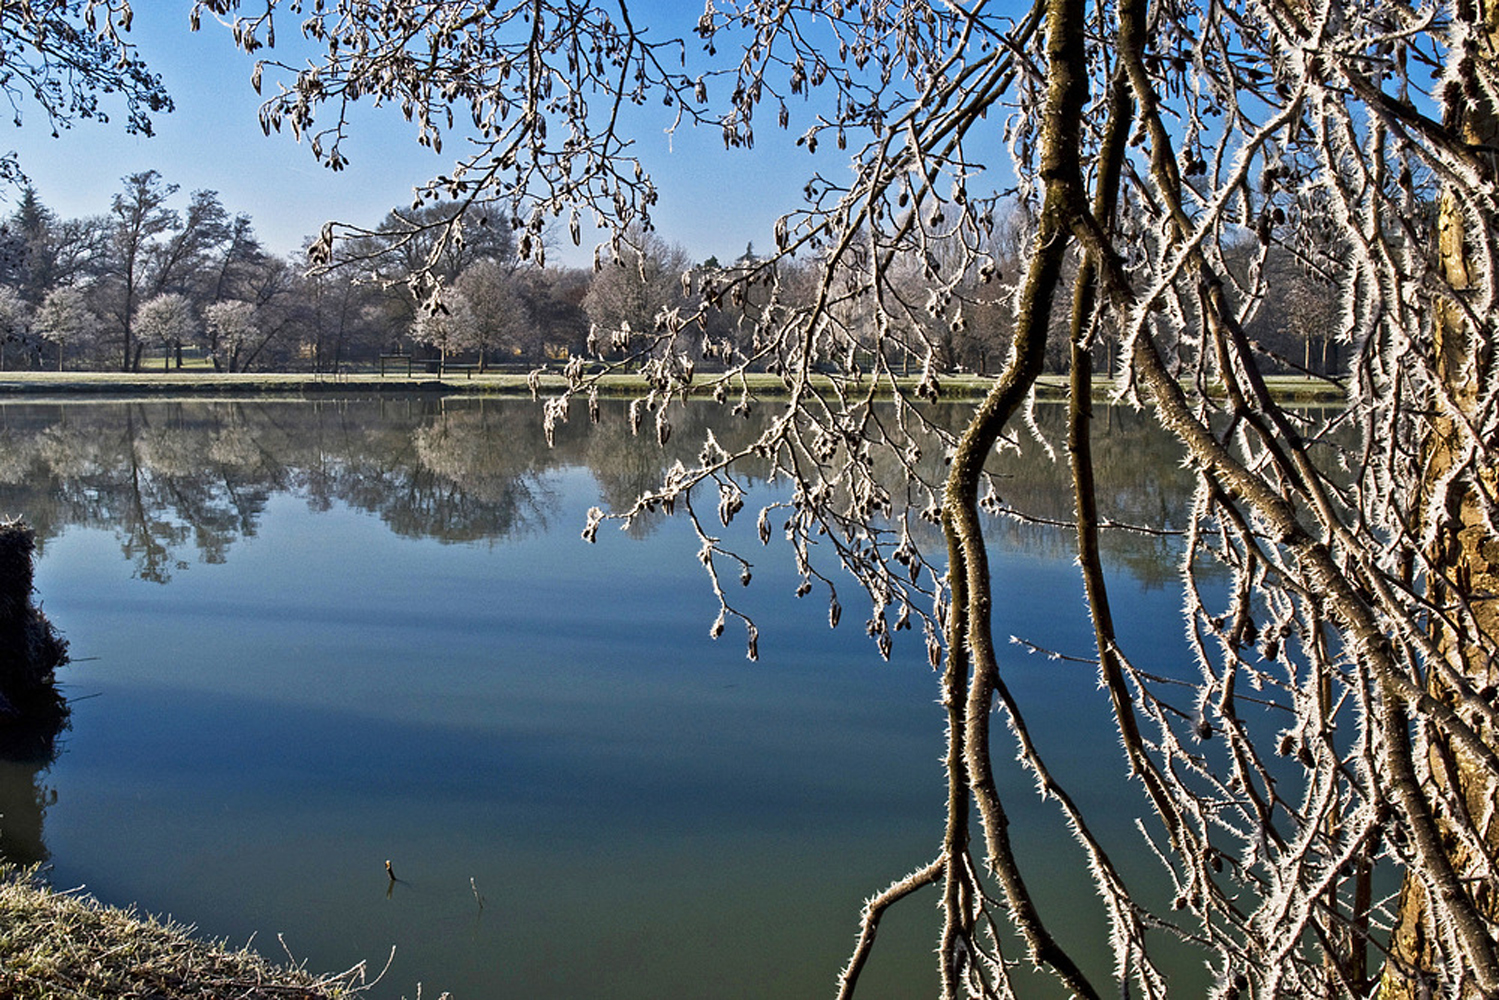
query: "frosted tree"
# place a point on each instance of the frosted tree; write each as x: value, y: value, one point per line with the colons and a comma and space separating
x: 631, y: 290
x: 166, y: 322
x: 1147, y: 141
x: 230, y: 326
x: 451, y: 326
x: 65, y: 318
x: 501, y: 320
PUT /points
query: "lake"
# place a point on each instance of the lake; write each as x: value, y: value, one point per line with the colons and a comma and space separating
x: 311, y: 637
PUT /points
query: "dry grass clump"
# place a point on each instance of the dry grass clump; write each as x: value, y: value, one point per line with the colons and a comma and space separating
x: 61, y: 946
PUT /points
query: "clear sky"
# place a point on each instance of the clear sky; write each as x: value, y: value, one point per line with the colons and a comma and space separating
x: 713, y: 201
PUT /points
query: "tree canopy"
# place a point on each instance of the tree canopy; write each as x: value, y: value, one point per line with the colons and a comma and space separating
x: 1170, y: 159
x: 68, y: 59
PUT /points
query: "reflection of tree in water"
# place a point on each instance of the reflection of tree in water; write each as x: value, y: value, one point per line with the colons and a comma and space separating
x: 623, y: 467
x: 181, y: 480
x: 32, y: 710
x: 177, y: 480
x: 159, y: 476
x: 25, y: 756
x: 1144, y: 492
x: 1141, y: 484
x: 483, y: 476
x: 27, y: 748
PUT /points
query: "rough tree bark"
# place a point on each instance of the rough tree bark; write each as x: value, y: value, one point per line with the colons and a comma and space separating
x: 1464, y: 565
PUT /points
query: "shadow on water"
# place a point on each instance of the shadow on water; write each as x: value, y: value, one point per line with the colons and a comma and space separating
x: 27, y: 752
x: 32, y: 710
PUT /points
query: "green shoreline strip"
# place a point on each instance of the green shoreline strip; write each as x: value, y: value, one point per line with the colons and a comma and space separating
x: 955, y: 388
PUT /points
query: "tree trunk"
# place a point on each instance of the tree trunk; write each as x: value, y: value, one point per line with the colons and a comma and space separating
x: 1465, y: 584
x: 970, y: 641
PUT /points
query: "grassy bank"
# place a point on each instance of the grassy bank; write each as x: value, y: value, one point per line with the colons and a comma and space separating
x: 68, y: 946
x: 199, y: 382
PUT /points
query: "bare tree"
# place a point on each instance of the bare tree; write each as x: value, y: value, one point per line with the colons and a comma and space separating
x: 556, y: 324
x: 238, y: 256
x: 640, y: 283
x: 416, y: 251
x: 140, y: 220
x: 340, y: 318
x: 80, y: 248
x: 1360, y: 616
x: 184, y: 257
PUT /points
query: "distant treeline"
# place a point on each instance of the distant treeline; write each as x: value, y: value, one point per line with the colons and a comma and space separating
x: 163, y: 279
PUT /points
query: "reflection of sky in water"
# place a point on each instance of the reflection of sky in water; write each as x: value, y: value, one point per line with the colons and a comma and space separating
x: 645, y: 812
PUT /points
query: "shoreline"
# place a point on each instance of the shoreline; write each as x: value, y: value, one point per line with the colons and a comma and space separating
x: 69, y: 946
x: 1296, y: 389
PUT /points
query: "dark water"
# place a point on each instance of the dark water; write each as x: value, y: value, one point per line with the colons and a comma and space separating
x: 311, y: 637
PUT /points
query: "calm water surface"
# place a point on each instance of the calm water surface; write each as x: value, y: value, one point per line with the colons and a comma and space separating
x: 311, y: 637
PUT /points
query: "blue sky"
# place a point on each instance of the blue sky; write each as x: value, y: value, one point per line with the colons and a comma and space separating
x: 713, y: 201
